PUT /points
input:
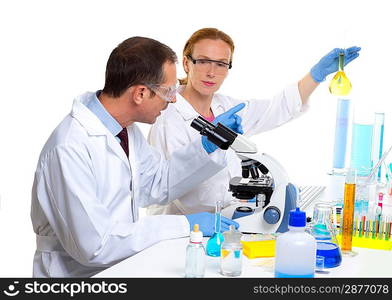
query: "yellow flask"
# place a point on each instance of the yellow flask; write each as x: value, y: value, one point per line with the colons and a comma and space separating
x: 340, y: 85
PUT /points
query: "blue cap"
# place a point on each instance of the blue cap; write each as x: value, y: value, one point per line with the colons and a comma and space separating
x: 297, y: 218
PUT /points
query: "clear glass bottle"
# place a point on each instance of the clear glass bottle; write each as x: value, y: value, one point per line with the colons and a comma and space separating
x: 324, y: 232
x: 195, y: 255
x: 215, y: 241
x: 231, y: 253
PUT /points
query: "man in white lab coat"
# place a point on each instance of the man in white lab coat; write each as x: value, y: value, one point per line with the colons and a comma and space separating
x: 96, y: 169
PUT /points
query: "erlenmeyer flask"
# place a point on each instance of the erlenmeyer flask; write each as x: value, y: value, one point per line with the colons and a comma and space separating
x: 214, y: 243
x: 340, y: 85
x: 324, y: 233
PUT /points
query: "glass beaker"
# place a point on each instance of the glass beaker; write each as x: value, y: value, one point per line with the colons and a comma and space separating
x: 323, y: 230
x: 231, y: 253
x: 365, y: 194
x: 215, y: 241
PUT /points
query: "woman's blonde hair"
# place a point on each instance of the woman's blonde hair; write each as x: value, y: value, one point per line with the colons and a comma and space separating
x: 202, y: 34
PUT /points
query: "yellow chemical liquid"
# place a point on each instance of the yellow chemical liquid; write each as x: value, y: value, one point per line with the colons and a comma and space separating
x: 340, y: 85
x: 348, y: 216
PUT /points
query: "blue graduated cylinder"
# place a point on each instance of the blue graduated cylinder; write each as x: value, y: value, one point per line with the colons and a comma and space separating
x: 341, y: 131
x: 361, y: 148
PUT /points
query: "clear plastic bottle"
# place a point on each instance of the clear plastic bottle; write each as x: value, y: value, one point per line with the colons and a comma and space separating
x: 231, y: 253
x: 295, y: 249
x: 195, y: 254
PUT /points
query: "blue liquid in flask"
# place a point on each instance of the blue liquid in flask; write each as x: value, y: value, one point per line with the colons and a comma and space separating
x: 214, y: 244
x: 331, y: 254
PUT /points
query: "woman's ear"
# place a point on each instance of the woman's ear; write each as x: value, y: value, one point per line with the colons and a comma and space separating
x: 185, y: 64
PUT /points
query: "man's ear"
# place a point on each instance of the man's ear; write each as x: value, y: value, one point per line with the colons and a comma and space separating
x: 138, y: 93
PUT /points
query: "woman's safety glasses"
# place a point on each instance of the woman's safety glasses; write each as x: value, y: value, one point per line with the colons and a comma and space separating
x: 204, y: 65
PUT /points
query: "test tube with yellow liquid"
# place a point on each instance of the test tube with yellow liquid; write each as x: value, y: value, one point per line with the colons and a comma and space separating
x: 348, y: 213
x: 340, y: 85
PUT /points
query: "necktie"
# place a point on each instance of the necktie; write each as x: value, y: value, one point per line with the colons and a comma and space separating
x: 123, y: 136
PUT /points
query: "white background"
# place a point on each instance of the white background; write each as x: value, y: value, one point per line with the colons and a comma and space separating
x: 52, y: 51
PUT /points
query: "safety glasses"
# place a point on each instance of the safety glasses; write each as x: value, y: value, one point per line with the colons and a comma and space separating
x: 204, y: 65
x: 167, y: 93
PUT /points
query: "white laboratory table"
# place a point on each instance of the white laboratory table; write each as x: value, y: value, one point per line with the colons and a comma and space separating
x: 167, y: 259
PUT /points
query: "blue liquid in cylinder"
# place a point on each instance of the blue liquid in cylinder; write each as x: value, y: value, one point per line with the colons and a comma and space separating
x: 341, y: 130
x: 283, y: 275
x: 362, y: 148
x: 331, y: 254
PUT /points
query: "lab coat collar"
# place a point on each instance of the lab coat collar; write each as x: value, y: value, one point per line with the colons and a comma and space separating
x: 186, y: 110
x: 86, y: 117
x: 94, y: 126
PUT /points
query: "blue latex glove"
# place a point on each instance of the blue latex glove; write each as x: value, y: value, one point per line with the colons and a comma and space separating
x: 206, y: 222
x: 329, y: 63
x: 231, y: 120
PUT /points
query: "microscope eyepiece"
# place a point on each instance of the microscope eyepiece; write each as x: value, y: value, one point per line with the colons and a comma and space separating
x: 220, y: 135
x: 200, y: 123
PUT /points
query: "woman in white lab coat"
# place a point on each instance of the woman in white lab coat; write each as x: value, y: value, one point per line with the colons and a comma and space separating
x: 207, y: 58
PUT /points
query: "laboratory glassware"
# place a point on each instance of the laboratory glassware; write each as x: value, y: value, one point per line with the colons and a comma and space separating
x: 340, y: 85
x: 361, y: 148
x: 342, y: 125
x: 195, y: 254
x: 231, y: 253
x: 295, y: 254
x: 215, y: 241
x: 348, y: 213
x: 323, y: 230
x: 378, y: 140
x: 365, y: 194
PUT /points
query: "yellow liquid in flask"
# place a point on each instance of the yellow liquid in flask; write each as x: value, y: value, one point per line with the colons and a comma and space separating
x: 340, y: 85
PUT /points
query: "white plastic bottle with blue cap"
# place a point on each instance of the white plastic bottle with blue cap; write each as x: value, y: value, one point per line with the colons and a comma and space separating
x: 295, y: 254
